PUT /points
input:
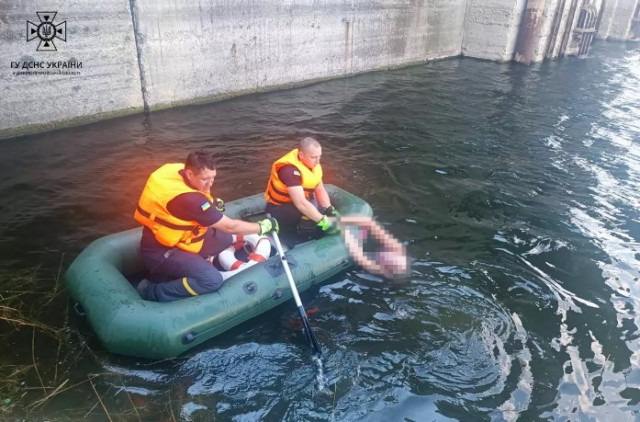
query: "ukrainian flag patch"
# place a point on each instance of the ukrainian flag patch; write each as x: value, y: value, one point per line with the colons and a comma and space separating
x: 205, y: 206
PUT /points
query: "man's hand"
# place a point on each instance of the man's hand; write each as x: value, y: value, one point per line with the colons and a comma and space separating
x: 331, y: 211
x: 267, y: 225
x: 328, y: 225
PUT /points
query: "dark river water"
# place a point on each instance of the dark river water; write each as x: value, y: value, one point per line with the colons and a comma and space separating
x: 516, y: 190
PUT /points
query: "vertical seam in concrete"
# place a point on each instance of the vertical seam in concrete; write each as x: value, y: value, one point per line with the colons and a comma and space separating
x: 568, y: 30
x: 136, y: 35
x: 464, y: 26
x: 555, y: 26
x: 602, y: 6
x: 520, y: 35
x: 613, y: 15
x: 627, y: 34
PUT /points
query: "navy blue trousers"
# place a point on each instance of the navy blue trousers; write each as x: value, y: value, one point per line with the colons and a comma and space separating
x: 177, y: 274
x: 291, y: 221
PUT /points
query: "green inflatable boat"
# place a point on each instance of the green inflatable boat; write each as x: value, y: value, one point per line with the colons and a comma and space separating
x: 99, y: 281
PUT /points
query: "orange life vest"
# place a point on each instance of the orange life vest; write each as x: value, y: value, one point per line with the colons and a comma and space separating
x: 277, y: 192
x: 163, y: 185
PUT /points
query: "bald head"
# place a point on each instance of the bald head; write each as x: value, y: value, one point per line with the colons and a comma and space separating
x: 309, y: 152
x: 307, y: 143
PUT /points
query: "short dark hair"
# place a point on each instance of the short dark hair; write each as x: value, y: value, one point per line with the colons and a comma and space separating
x: 199, y: 160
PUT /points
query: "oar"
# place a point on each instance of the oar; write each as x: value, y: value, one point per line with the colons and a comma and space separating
x: 303, y: 315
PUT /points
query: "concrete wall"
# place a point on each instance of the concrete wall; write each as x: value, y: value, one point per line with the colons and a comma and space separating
x: 152, y: 54
x: 192, y: 50
x: 99, y: 36
x: 561, y: 26
x: 534, y: 31
x: 544, y: 35
x: 491, y: 29
x: 549, y: 29
x: 616, y: 20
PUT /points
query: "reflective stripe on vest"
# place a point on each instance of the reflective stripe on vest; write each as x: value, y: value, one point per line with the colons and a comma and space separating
x: 277, y: 192
x: 163, y: 185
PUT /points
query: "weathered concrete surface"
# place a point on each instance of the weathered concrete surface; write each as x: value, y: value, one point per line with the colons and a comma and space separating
x: 560, y: 28
x: 193, y: 50
x: 99, y: 35
x: 617, y: 17
x: 153, y: 54
x: 531, y: 34
x: 491, y: 29
x: 550, y: 29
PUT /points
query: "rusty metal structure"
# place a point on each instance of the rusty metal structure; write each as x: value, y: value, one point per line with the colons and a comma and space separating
x: 551, y: 29
x: 585, y: 29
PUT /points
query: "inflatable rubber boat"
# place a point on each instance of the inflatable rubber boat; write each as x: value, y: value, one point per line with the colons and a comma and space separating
x: 100, y: 281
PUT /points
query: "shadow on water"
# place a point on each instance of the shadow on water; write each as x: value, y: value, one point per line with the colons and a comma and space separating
x: 515, y: 189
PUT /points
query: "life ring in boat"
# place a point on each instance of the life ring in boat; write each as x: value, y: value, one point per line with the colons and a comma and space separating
x: 260, y: 251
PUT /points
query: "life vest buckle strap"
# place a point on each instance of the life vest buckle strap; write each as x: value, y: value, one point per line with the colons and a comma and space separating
x: 278, y: 191
x: 163, y: 222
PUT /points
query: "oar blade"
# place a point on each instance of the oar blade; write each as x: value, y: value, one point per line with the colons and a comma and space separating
x: 308, y: 332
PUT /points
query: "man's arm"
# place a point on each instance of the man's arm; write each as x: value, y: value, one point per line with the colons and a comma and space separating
x: 229, y: 225
x: 195, y: 206
x: 303, y: 204
x: 322, y: 196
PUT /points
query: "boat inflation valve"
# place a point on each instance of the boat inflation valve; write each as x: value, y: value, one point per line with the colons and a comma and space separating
x: 79, y: 309
x: 250, y: 287
x: 189, y: 337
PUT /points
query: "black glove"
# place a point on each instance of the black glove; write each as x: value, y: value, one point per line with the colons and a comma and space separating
x: 306, y: 227
x: 331, y: 211
x: 267, y: 225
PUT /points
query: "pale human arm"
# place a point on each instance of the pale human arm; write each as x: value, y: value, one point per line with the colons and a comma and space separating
x: 388, y: 242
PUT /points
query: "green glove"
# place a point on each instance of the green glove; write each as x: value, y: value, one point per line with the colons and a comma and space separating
x: 327, y: 226
x: 331, y: 211
x: 267, y: 225
x: 219, y: 204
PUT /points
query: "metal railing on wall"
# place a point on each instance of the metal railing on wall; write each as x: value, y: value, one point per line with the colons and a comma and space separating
x: 585, y: 29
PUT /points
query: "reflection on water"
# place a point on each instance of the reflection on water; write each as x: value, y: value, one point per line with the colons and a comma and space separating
x: 516, y: 189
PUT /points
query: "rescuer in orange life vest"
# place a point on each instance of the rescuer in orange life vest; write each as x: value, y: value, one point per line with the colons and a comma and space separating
x: 183, y: 227
x: 294, y: 188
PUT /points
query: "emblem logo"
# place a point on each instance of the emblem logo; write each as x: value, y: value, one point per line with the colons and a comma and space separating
x: 46, y: 31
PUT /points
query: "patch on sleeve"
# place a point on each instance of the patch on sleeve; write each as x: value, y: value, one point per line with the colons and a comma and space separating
x: 205, y: 206
x: 296, y: 173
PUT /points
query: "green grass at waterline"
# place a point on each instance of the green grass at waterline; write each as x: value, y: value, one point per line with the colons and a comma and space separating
x: 47, y: 369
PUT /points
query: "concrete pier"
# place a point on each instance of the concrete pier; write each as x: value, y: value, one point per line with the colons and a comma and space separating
x: 491, y: 29
x: 201, y: 51
x: 79, y: 61
x: 90, y: 75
